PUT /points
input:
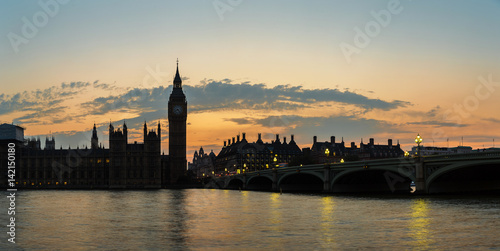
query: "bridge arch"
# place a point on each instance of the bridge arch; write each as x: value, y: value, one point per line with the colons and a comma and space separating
x: 372, y: 180
x: 301, y: 182
x: 260, y: 183
x: 466, y: 176
x: 235, y: 183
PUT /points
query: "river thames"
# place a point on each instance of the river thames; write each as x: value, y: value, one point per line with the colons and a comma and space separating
x: 201, y: 219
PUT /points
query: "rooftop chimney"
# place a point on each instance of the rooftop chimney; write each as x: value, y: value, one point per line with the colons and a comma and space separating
x: 315, y: 139
x: 389, y: 142
x: 284, y: 140
x: 353, y: 145
x: 332, y: 139
x: 238, y: 138
x: 244, y: 134
x: 233, y: 140
x: 372, y: 141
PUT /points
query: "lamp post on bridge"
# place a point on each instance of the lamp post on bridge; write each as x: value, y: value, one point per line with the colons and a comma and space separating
x: 327, y: 153
x: 420, y: 186
x: 418, y: 140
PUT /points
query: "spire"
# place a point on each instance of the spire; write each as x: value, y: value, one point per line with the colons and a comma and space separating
x: 259, y: 140
x: 159, y: 129
x: 94, y: 132
x: 177, y: 79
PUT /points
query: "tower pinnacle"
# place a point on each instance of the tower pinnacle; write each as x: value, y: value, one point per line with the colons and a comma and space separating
x: 177, y: 78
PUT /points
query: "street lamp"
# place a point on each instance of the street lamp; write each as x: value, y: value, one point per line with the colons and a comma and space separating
x: 418, y: 140
x: 327, y: 153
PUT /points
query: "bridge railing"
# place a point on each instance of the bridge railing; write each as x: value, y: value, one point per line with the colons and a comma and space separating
x: 350, y: 164
x: 477, y: 155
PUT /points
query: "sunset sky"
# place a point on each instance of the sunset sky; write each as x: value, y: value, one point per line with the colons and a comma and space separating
x: 352, y: 69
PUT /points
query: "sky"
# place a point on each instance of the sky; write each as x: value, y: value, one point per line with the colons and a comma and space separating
x: 352, y: 69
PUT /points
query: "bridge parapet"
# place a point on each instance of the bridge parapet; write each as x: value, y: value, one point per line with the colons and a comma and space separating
x: 345, y: 176
x: 478, y: 155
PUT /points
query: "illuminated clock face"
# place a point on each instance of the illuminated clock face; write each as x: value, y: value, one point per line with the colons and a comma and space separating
x: 177, y: 109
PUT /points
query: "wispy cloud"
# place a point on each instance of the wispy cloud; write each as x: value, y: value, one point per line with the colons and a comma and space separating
x: 494, y: 120
x: 437, y: 123
x: 44, y: 106
x: 224, y: 95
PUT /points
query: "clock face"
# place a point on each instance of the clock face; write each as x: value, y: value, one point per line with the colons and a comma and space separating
x: 177, y: 109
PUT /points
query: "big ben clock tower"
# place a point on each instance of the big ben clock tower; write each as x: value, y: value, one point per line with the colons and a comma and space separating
x: 177, y: 115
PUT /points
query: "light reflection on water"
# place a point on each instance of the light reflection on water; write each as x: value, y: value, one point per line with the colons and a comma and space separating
x: 419, y: 224
x: 328, y: 222
x: 221, y: 219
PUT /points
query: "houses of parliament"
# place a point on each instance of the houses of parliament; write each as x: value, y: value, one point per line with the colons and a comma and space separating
x: 121, y: 166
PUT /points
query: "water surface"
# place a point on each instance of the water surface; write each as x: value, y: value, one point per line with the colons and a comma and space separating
x: 200, y: 219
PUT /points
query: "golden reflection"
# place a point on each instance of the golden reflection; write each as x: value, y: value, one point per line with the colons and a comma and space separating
x: 276, y: 209
x: 244, y: 200
x: 419, y: 224
x: 276, y: 219
x: 327, y: 221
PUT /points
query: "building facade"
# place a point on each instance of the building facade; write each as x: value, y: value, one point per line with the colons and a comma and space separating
x: 123, y: 165
x: 336, y: 152
x: 203, y: 164
x: 238, y: 155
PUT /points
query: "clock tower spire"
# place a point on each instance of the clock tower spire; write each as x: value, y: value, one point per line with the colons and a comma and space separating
x: 177, y: 116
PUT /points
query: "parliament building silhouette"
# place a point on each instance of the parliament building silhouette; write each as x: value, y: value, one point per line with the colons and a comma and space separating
x: 121, y: 166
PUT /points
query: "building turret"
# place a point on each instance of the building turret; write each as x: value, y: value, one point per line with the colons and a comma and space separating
x: 50, y: 144
x: 159, y: 130
x: 111, y: 129
x: 94, y: 141
x: 259, y: 140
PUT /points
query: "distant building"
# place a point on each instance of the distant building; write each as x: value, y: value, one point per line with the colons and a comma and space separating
x: 491, y: 149
x: 123, y: 165
x: 203, y: 164
x: 432, y: 150
x: 335, y: 152
x: 11, y: 132
x: 237, y: 156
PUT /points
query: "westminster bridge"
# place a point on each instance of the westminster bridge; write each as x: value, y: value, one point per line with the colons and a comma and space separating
x: 431, y: 174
